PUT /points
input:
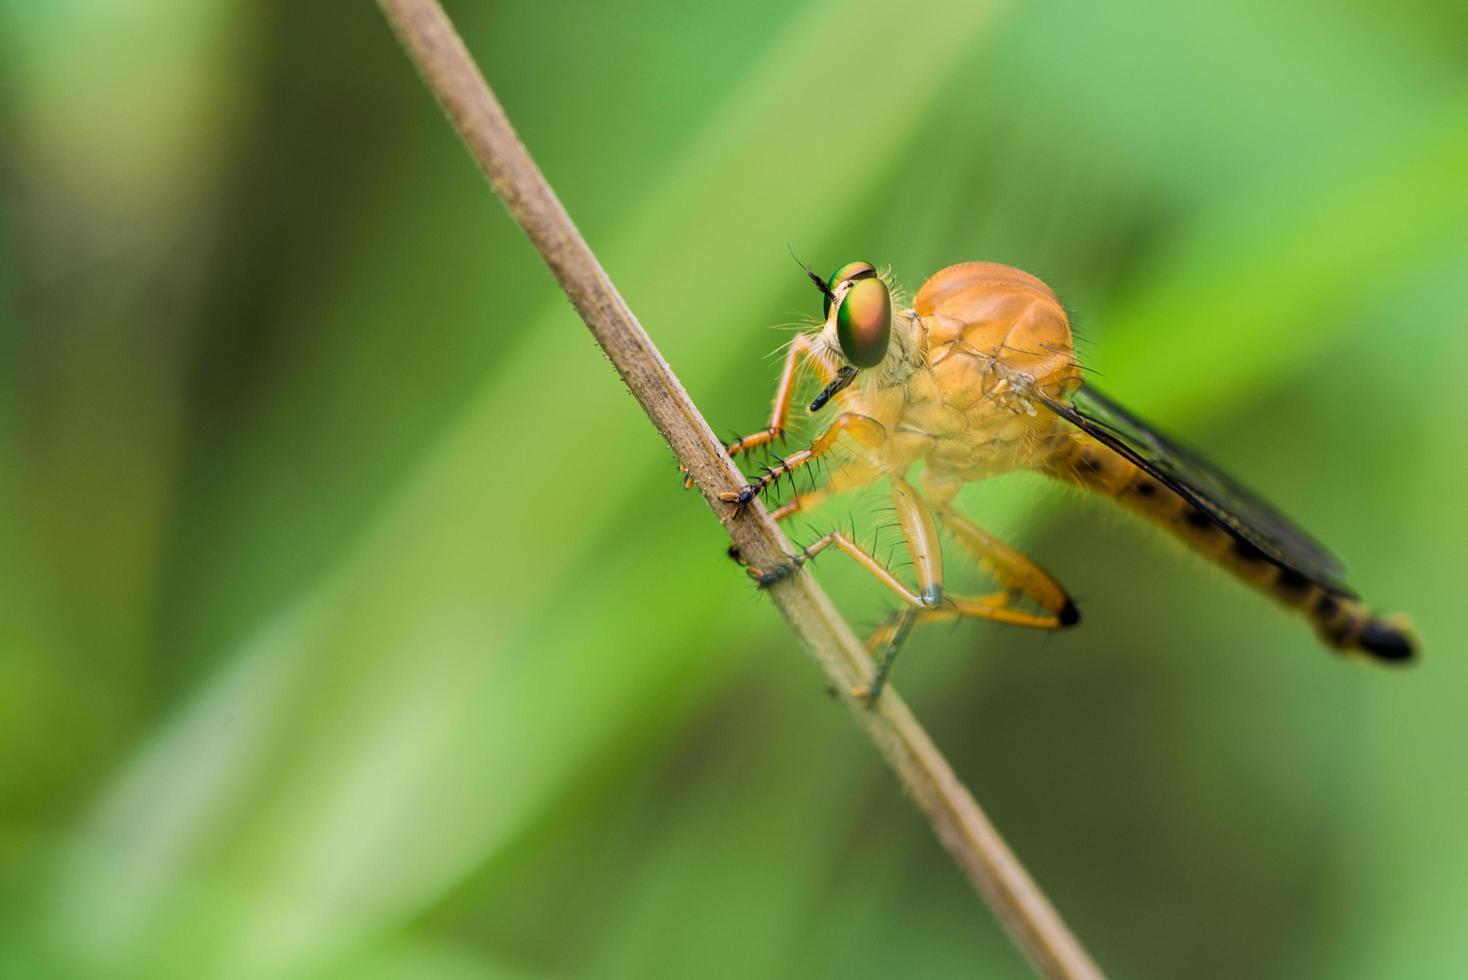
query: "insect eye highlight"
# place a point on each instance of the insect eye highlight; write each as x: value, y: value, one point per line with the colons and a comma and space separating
x: 864, y: 321
x: 850, y: 272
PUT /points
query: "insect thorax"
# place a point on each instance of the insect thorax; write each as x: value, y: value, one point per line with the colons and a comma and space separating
x: 986, y: 340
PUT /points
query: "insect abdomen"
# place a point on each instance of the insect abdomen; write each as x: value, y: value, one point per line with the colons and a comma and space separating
x: 1340, y: 619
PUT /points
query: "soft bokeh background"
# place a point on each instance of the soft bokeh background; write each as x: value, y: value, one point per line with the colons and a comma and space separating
x: 353, y: 624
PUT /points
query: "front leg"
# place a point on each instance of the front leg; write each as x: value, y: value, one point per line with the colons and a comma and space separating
x: 848, y: 476
x: 868, y: 431
x: 802, y: 346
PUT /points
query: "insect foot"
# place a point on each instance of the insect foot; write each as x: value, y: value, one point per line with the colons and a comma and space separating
x: 765, y: 578
x: 742, y: 498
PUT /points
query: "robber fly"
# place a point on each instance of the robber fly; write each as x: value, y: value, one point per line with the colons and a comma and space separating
x: 979, y: 377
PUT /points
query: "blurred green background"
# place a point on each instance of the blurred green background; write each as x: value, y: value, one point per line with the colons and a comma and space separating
x: 352, y: 620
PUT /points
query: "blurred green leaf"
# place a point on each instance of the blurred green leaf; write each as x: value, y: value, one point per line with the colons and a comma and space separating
x: 324, y: 516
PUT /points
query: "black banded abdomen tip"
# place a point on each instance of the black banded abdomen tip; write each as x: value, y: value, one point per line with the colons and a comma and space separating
x: 1069, y: 615
x: 1388, y: 642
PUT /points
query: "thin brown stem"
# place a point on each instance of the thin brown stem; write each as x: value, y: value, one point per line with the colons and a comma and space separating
x: 960, y: 824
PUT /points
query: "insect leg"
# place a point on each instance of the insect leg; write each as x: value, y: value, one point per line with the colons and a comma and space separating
x: 799, y: 503
x: 928, y: 604
x: 994, y: 608
x: 887, y: 639
x: 920, y: 532
x: 884, y: 644
x: 849, y: 476
x: 866, y: 430
x: 1014, y: 571
x: 791, y: 507
x: 802, y: 346
x: 843, y: 543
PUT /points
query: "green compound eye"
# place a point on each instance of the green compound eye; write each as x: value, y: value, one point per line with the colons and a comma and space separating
x: 849, y: 271
x: 864, y: 322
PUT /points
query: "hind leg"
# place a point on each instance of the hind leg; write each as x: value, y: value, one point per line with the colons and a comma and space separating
x: 1017, y: 574
x: 1012, y: 570
x: 888, y: 638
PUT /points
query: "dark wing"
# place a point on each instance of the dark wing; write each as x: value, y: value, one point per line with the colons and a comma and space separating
x: 1230, y: 505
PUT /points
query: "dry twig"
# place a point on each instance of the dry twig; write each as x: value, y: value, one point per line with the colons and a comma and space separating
x: 450, y: 72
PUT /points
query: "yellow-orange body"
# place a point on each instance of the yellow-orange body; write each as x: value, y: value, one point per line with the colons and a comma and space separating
x: 958, y: 389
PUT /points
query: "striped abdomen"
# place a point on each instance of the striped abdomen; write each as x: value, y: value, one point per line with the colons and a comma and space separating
x: 1338, y: 616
